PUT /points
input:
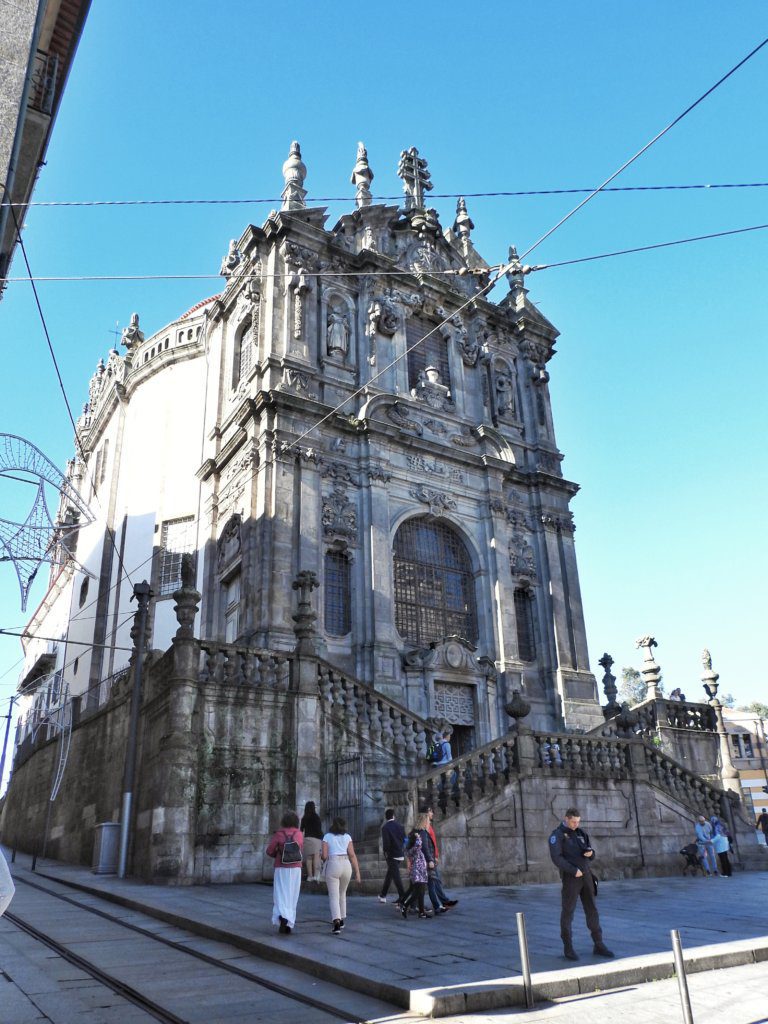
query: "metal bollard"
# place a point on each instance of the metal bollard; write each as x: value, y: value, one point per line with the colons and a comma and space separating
x: 682, y: 981
x: 525, y: 962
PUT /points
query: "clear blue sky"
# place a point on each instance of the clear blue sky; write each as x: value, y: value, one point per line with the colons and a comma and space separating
x: 658, y: 384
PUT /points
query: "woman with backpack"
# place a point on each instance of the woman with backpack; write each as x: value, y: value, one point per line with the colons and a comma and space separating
x: 286, y: 846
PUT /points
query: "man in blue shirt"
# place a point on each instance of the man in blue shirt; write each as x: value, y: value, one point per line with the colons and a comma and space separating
x: 571, y: 852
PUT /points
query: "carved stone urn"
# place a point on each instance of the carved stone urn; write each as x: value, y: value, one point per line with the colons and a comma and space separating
x: 517, y: 707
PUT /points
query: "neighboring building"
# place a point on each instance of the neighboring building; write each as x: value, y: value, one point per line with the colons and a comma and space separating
x: 747, y: 736
x: 431, y: 507
x: 37, y: 46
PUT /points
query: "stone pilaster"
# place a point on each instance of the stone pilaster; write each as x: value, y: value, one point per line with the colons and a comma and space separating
x: 174, y: 824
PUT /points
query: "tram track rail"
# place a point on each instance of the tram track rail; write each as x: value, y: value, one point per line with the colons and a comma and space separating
x: 117, y: 986
x: 135, y: 996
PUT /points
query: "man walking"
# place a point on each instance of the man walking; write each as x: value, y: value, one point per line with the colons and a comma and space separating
x: 392, y: 843
x: 571, y: 852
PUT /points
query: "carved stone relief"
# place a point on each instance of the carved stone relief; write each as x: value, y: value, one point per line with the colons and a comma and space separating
x: 522, y: 561
x: 229, y: 544
x: 422, y: 464
x: 297, y: 382
x: 438, y: 501
x: 339, y: 515
x: 455, y: 703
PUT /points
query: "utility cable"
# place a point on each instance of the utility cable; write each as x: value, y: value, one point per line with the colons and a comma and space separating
x: 519, y: 193
x: 78, y: 443
x: 514, y: 263
x: 640, y: 152
x: 645, y: 248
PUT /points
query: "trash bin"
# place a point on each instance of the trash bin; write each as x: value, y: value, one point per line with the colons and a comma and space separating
x: 105, y: 848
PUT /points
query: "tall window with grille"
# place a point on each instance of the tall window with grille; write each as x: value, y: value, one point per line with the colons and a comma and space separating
x: 526, y: 634
x: 338, y: 603
x: 431, y: 352
x: 243, y: 352
x: 434, y: 583
x: 177, y: 539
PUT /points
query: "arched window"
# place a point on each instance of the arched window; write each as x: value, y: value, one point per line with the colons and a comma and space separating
x: 83, y: 592
x: 243, y: 353
x: 526, y: 636
x: 434, y: 584
x: 432, y: 352
x: 338, y: 617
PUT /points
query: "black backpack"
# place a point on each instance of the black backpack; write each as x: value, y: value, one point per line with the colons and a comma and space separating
x: 291, y: 852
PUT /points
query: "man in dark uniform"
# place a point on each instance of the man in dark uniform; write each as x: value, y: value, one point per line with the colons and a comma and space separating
x: 571, y: 852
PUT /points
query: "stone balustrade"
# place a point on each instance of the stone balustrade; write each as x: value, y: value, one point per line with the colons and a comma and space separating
x: 581, y: 755
x: 244, y: 666
x: 381, y: 724
x: 471, y: 777
x: 653, y: 715
x: 682, y: 784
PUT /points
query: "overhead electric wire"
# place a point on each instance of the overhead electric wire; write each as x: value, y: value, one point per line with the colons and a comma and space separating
x: 644, y: 149
x: 518, y: 193
x: 514, y: 264
x: 646, y: 248
x: 78, y: 442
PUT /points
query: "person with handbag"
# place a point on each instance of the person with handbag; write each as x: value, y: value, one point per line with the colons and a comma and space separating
x: 339, y: 856
x: 286, y: 846
x: 572, y: 854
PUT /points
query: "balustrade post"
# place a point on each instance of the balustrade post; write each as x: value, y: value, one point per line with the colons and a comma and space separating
x: 636, y: 759
x: 527, y: 753
x: 308, y: 738
x: 170, y: 772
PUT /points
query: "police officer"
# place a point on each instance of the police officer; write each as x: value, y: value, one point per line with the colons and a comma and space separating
x: 571, y: 852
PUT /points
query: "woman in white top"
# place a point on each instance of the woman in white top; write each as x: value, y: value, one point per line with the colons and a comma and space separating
x: 6, y: 885
x: 338, y: 853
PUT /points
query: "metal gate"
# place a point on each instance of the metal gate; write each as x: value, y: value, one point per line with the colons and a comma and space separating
x: 344, y: 788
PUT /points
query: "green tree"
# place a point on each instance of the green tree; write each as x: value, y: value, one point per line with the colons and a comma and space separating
x: 756, y: 708
x: 728, y: 701
x: 631, y: 687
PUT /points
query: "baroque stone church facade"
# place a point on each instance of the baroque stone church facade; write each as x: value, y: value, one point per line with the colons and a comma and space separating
x: 366, y: 413
x: 340, y: 478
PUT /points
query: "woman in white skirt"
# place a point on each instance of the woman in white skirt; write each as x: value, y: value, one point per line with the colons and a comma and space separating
x: 286, y: 847
x: 339, y: 855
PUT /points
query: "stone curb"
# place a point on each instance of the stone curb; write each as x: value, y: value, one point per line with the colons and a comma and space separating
x: 547, y: 985
x: 469, y: 997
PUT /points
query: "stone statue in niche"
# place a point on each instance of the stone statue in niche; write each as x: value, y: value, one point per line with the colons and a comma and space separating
x: 504, y: 387
x: 337, y: 332
x: 522, y: 560
x: 382, y: 317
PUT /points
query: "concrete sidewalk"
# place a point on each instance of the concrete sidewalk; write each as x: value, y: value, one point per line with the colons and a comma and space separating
x: 467, y: 960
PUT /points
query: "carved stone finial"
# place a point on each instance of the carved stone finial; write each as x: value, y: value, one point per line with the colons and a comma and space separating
x: 517, y: 707
x: 413, y: 169
x: 612, y: 708
x: 294, y: 173
x: 132, y: 335
x: 650, y: 670
x: 709, y: 678
x: 362, y: 176
x: 187, y: 598
x: 232, y: 260
x: 463, y: 224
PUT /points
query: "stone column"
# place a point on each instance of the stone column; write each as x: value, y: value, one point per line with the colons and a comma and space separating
x: 174, y: 767
x: 308, y: 738
x: 729, y: 774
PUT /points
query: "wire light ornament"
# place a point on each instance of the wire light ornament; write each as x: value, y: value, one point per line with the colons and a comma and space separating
x: 51, y: 711
x: 36, y: 540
